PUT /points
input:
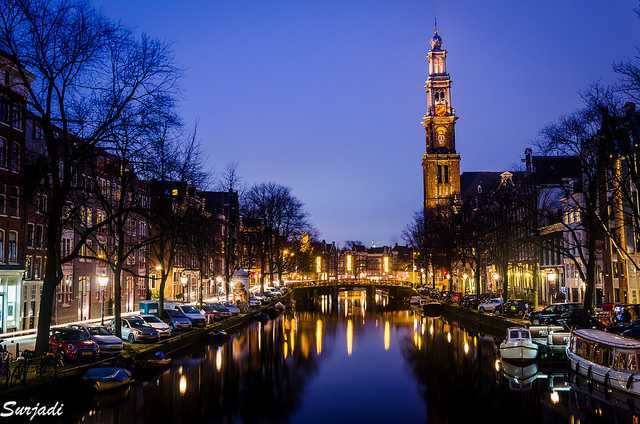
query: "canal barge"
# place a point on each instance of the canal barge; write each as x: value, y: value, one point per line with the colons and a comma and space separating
x: 607, y: 359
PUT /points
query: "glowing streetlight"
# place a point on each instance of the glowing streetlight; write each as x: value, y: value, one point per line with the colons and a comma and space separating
x: 184, y: 280
x: 102, y: 280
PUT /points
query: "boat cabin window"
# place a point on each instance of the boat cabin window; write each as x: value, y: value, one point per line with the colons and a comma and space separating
x: 606, y: 356
x: 518, y: 334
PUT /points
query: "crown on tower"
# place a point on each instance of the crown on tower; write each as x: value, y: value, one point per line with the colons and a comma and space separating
x: 436, y: 40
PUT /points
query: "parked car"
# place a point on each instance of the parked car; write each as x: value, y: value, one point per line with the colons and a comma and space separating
x: 195, y: 316
x: 263, y: 300
x: 163, y: 329
x: 176, y: 320
x: 73, y: 344
x: 516, y: 308
x: 254, y: 301
x: 552, y: 313
x: 233, y: 309
x: 490, y: 305
x: 108, y: 344
x: 215, y: 311
x: 135, y: 329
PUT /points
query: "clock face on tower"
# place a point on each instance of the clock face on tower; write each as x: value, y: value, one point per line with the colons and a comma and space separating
x: 441, y: 109
x: 441, y: 136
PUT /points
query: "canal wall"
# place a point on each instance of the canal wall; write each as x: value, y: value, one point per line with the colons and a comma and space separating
x: 491, y: 324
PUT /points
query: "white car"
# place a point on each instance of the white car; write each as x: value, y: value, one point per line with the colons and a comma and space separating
x: 160, y: 326
x: 135, y: 329
x: 490, y: 305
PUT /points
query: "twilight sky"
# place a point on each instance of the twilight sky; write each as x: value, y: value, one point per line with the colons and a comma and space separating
x: 327, y: 96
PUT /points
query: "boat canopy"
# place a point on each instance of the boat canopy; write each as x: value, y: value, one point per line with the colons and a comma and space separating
x: 609, y: 339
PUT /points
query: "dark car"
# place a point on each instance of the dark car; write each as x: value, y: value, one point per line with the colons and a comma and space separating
x: 215, y: 311
x: 74, y: 344
x: 516, y: 308
x: 552, y: 313
x: 632, y: 329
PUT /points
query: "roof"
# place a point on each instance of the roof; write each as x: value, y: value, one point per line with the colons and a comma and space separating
x: 608, y: 339
x: 469, y: 182
x: 553, y: 169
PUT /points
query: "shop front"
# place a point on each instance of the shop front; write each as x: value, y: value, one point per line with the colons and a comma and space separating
x: 10, y: 299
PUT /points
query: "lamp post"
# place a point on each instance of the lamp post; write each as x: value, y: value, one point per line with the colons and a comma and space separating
x: 103, y: 280
x: 551, y: 278
x: 184, y: 280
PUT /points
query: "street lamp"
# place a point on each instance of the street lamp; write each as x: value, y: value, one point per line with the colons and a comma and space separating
x: 103, y: 280
x: 219, y: 280
x: 184, y: 280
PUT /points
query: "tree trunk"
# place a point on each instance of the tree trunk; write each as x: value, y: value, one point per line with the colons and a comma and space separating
x: 505, y: 281
x: 51, y: 281
x: 52, y: 276
x: 117, y: 298
x: 163, y: 282
x: 476, y: 277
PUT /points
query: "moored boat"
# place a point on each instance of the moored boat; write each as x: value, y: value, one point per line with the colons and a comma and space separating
x: 518, y: 345
x: 432, y: 309
x: 107, y: 378
x: 218, y: 335
x: 607, y: 359
x: 159, y: 360
x: 551, y: 339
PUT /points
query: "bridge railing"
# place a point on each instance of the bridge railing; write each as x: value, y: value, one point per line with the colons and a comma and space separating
x: 350, y: 282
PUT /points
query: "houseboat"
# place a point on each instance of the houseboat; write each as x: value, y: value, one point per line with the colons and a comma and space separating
x: 605, y: 358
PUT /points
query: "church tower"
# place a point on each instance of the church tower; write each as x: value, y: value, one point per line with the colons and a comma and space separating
x: 440, y: 162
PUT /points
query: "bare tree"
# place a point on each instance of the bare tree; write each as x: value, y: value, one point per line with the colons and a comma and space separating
x: 282, y: 217
x: 80, y: 73
x: 230, y: 182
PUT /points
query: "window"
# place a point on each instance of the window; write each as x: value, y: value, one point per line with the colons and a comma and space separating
x: 439, y: 176
x: 4, y: 110
x: 30, y: 227
x: 16, y: 116
x: 13, y: 201
x: 446, y: 174
x: 37, y: 131
x: 2, y: 245
x: 12, y: 247
x: 65, y: 290
x: 41, y: 203
x: 3, y: 152
x: 13, y: 157
x: 38, y: 238
x: 66, y: 246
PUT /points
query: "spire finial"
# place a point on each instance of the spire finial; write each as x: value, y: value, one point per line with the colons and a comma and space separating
x: 435, y: 24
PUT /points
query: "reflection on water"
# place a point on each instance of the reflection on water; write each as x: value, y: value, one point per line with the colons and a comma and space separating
x: 353, y: 356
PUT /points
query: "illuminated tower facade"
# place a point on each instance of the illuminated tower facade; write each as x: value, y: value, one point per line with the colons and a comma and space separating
x: 440, y: 162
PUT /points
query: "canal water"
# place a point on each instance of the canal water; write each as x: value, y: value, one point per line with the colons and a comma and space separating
x: 352, y: 358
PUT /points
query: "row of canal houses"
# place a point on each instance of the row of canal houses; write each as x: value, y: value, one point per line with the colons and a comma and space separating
x: 86, y: 290
x: 547, y: 244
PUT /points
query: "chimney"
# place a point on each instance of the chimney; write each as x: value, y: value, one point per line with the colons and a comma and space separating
x: 528, y: 154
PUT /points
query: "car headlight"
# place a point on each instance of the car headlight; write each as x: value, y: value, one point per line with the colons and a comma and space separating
x: 71, y: 348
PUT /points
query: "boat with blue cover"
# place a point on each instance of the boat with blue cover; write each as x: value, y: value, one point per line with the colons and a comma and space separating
x: 107, y: 378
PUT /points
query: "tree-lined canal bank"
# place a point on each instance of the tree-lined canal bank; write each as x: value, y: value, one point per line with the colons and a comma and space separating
x: 350, y: 358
